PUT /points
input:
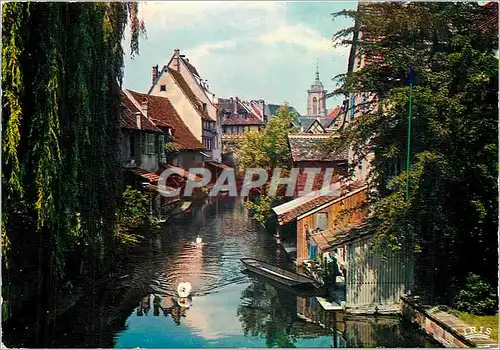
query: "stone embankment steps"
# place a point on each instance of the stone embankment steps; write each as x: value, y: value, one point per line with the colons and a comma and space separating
x: 457, y: 324
x: 445, y: 327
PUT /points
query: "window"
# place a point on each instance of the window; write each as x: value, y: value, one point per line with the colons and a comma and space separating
x: 204, y: 107
x: 132, y: 146
x: 163, y: 87
x: 393, y: 169
x: 148, y: 144
x: 161, y: 144
x: 322, y: 221
x: 315, y: 106
x: 353, y: 99
x: 207, y: 143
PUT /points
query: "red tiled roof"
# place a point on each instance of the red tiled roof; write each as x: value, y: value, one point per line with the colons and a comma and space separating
x: 304, y: 205
x: 152, y: 178
x: 161, y: 110
x: 128, y: 116
x: 236, y: 119
x: 189, y: 93
x: 334, y: 112
x: 317, y: 182
x: 488, y: 20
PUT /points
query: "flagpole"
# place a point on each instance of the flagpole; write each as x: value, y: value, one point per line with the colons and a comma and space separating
x: 409, y: 135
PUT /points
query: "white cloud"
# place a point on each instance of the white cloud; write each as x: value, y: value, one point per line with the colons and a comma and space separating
x: 201, y: 52
x: 185, y: 14
x: 302, y: 36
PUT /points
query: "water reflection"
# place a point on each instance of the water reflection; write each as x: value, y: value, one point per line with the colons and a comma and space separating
x: 267, y: 310
x: 228, y: 308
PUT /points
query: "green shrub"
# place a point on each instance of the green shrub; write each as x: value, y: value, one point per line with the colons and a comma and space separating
x: 134, y: 214
x: 262, y: 208
x: 476, y: 297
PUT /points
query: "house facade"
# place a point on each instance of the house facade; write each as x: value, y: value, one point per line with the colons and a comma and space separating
x: 237, y: 118
x: 141, y: 139
x: 181, y: 83
x: 163, y: 115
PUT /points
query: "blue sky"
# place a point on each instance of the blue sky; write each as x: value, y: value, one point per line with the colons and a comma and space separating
x: 251, y: 50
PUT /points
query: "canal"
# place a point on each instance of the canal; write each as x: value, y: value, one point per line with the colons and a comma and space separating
x: 229, y: 308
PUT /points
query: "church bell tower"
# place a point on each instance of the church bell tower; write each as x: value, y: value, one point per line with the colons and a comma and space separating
x: 316, y: 98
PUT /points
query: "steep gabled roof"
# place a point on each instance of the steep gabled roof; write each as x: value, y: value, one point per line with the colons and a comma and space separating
x: 128, y: 116
x: 272, y: 110
x: 191, y: 68
x: 334, y: 112
x: 189, y: 93
x: 161, y: 110
x: 326, y: 122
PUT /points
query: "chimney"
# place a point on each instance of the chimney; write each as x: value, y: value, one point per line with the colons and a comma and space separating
x: 155, y: 74
x: 144, y: 106
x: 263, y: 109
x: 235, y: 104
x: 177, y: 57
x: 138, y: 120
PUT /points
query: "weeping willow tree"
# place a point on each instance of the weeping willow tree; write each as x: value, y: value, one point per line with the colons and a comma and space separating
x: 62, y: 70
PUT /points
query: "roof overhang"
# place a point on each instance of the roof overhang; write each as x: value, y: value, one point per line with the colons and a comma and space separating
x: 333, y: 201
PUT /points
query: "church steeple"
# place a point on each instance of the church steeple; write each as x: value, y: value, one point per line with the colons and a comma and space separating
x: 316, y: 95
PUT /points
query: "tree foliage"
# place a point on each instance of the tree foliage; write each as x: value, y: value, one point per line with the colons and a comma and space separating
x: 451, y: 214
x: 268, y: 148
x: 476, y: 297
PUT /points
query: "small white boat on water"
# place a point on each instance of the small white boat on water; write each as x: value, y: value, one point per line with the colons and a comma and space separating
x: 199, y: 240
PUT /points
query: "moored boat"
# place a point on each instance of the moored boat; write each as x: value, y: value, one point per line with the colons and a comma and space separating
x: 277, y: 274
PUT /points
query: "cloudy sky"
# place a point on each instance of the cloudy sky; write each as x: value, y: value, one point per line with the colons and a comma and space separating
x: 251, y: 50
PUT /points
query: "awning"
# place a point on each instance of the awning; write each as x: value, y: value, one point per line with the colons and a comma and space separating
x: 333, y: 238
x: 219, y: 165
x: 184, y: 173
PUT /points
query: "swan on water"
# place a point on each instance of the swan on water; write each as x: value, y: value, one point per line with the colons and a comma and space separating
x: 198, y: 240
x: 184, y: 289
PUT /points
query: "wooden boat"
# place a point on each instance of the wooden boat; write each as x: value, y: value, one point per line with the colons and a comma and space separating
x: 304, y: 291
x: 176, y: 210
x: 277, y: 274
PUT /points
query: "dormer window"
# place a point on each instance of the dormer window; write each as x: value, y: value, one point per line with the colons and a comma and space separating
x: 163, y: 87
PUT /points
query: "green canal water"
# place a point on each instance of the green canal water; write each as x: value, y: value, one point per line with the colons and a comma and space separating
x: 230, y: 308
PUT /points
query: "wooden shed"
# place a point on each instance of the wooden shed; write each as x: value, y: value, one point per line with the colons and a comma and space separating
x: 322, y: 211
x: 336, y: 223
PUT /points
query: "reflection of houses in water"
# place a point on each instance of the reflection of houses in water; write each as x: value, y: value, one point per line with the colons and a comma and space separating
x: 355, y: 331
x: 162, y: 305
x: 144, y: 306
x: 309, y: 309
